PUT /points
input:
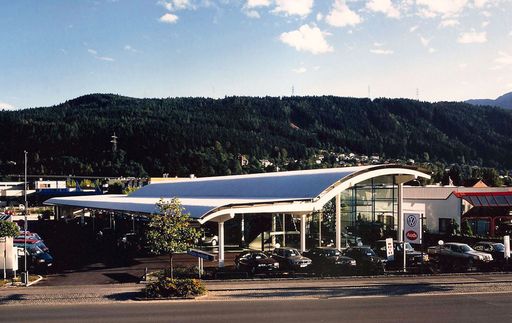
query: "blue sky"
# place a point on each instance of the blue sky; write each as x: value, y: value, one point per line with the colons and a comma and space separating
x: 53, y: 51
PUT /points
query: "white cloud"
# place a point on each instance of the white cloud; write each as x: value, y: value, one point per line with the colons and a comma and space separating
x: 413, y: 29
x: 472, y: 37
x: 319, y: 16
x: 381, y: 51
x: 129, y: 48
x: 376, y: 44
x: 300, y: 70
x: 449, y: 23
x: 94, y: 53
x: 169, y: 18
x: 251, y: 13
x: 485, y: 24
x: 480, y: 3
x: 384, y: 6
x: 294, y: 7
x: 307, y: 38
x: 446, y: 8
x: 424, y: 41
x: 432, y: 50
x: 463, y: 66
x: 503, y: 59
x: 341, y: 15
x: 6, y: 106
x: 173, y: 5
x: 257, y: 3
x: 105, y: 58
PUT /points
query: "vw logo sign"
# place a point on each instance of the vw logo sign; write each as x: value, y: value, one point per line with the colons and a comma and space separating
x: 412, y: 220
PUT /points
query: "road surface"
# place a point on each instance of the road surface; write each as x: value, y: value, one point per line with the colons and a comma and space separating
x: 425, y: 308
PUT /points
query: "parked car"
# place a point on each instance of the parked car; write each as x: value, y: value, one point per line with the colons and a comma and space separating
x: 256, y: 262
x: 330, y: 260
x: 415, y: 259
x: 208, y: 240
x: 19, y: 242
x: 37, y: 260
x: 454, y: 256
x: 30, y: 234
x: 497, y: 251
x: 367, y: 260
x: 290, y: 259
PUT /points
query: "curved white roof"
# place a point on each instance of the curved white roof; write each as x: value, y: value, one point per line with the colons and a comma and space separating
x: 211, y: 197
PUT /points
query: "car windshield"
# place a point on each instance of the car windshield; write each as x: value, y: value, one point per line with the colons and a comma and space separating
x: 465, y: 248
x: 499, y: 247
x: 259, y: 256
x: 292, y: 253
x: 368, y: 252
x: 332, y: 253
x: 34, y: 250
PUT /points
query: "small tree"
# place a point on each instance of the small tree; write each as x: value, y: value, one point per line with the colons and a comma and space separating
x: 7, y: 229
x: 170, y: 231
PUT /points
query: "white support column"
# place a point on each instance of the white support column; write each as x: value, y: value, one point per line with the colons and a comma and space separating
x: 221, y: 244
x: 320, y: 215
x: 400, y: 212
x: 303, y: 232
x: 338, y: 221
x: 284, y: 230
x: 273, y: 232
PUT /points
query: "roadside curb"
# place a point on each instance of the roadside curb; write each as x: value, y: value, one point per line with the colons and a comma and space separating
x: 35, y: 281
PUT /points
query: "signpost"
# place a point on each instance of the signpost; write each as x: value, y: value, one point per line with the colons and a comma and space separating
x: 506, y: 242
x: 390, y: 251
x: 412, y: 231
x: 201, y: 256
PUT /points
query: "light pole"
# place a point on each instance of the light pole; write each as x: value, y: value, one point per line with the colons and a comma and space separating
x: 25, y: 224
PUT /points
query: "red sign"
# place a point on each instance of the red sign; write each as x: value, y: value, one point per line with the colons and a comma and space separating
x: 411, y: 235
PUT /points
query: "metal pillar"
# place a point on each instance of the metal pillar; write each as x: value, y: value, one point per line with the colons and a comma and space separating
x: 338, y: 221
x: 221, y: 244
x: 303, y: 232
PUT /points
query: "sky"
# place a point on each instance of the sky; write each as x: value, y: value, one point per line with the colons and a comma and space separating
x: 433, y: 50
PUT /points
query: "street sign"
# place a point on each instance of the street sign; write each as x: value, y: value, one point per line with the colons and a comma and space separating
x: 412, y: 227
x: 390, y: 251
x: 201, y: 254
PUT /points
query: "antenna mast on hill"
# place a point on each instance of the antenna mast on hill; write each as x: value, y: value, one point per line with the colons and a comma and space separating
x: 293, y: 90
x: 369, y: 93
x: 417, y: 94
x: 114, y: 142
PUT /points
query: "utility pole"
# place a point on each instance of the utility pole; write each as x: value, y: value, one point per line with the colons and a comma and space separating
x: 25, y: 227
x: 114, y: 142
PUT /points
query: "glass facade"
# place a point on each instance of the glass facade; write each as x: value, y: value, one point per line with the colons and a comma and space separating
x: 375, y: 200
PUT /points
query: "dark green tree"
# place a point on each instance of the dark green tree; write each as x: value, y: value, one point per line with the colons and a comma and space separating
x: 169, y: 231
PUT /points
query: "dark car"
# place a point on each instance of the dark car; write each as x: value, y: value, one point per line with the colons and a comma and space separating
x: 37, y: 260
x: 290, y: 259
x: 330, y: 260
x: 454, y: 256
x: 415, y: 259
x: 497, y: 251
x: 20, y: 242
x: 367, y: 260
x: 256, y: 262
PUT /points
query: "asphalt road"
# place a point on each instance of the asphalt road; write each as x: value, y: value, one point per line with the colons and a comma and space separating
x: 449, y: 308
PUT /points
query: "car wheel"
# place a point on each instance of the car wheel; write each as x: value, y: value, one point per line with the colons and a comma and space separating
x: 214, y: 242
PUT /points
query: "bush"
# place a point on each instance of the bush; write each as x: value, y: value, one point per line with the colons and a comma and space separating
x: 166, y: 287
x: 180, y: 272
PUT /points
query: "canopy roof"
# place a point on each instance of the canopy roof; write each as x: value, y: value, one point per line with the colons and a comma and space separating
x: 488, y: 199
x: 214, y: 198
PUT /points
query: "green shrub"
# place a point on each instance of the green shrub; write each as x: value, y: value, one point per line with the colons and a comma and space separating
x: 166, y: 287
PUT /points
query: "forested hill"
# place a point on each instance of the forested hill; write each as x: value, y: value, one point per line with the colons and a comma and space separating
x: 205, y: 136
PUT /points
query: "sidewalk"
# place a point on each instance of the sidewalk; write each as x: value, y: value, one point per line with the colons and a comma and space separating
x: 270, y: 289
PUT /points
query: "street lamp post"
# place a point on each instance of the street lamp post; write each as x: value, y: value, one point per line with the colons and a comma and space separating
x: 25, y: 224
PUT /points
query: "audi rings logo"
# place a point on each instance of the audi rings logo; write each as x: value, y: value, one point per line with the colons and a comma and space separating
x: 412, y: 221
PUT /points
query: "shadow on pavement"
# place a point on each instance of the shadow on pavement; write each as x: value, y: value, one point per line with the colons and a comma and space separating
x: 329, y: 292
